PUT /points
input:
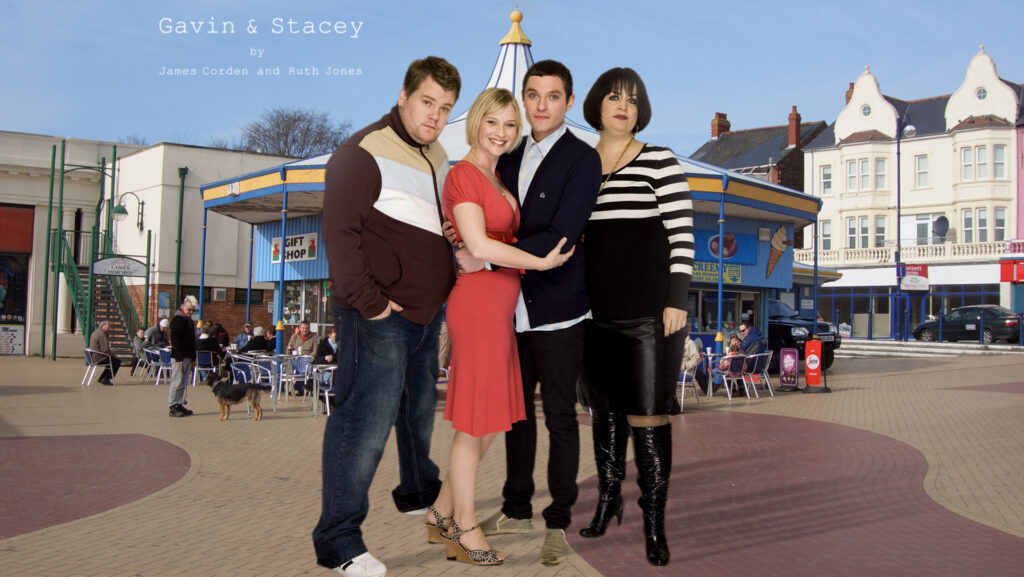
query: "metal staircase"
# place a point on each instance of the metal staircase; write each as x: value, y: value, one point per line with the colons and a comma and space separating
x: 105, y: 307
x: 107, y: 300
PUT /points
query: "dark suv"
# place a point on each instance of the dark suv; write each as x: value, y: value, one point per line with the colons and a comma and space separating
x: 787, y: 330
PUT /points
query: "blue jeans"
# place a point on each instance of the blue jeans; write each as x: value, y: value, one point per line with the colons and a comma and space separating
x: 387, y: 375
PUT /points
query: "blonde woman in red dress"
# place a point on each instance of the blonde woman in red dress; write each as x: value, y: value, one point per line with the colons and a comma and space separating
x: 485, y: 393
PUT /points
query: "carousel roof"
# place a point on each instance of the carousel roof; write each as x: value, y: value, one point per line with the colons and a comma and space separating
x: 258, y: 197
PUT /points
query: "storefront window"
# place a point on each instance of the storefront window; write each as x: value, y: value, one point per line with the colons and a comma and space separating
x: 736, y: 308
x: 306, y: 300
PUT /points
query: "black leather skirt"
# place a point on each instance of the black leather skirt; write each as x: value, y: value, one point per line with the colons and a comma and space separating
x: 629, y: 367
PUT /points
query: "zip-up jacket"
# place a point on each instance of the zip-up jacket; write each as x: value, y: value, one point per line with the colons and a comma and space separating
x: 382, y: 223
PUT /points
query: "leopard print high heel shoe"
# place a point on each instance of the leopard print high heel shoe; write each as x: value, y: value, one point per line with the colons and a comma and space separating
x: 436, y: 530
x: 457, y: 551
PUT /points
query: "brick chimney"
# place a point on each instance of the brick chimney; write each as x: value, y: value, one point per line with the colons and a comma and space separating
x: 719, y: 125
x: 794, y: 128
x: 849, y: 93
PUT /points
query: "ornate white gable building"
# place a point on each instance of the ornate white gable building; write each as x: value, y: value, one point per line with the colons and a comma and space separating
x: 956, y: 189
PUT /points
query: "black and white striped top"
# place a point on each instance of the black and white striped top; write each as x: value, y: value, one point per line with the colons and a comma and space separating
x: 639, y: 239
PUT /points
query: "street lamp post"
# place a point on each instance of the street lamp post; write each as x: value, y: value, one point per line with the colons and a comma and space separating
x: 909, y: 131
x: 120, y: 212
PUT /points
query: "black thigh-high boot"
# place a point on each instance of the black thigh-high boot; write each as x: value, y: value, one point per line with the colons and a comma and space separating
x: 611, y: 433
x: 652, y: 447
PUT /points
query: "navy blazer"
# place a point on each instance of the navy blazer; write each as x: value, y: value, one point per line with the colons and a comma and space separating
x: 561, y: 196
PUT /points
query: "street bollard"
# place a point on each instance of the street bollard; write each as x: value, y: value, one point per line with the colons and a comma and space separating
x: 981, y: 326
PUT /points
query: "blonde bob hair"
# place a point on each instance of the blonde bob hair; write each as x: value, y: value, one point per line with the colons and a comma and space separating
x: 492, y: 101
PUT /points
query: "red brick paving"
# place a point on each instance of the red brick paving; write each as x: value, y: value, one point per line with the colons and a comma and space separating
x: 998, y: 388
x: 816, y: 498
x: 46, y: 481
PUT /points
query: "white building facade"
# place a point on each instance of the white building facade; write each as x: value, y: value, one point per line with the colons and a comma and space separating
x: 947, y: 194
x: 151, y: 175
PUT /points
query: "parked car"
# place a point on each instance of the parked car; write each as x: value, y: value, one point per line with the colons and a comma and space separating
x: 787, y: 330
x: 963, y: 324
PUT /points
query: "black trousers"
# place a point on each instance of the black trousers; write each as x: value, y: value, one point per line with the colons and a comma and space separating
x: 554, y: 359
x: 114, y: 362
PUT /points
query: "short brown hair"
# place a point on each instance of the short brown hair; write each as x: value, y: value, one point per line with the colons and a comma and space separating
x: 491, y: 101
x: 442, y: 71
x: 550, y: 68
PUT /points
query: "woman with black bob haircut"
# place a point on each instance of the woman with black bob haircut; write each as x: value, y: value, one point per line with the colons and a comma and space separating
x: 639, y: 242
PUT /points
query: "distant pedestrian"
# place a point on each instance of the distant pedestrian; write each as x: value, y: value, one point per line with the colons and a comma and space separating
x: 183, y: 351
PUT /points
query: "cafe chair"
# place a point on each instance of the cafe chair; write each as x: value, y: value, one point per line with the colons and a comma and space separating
x: 756, y: 372
x: 688, y: 378
x: 733, y: 376
x: 203, y: 366
x: 165, y: 366
x: 298, y: 371
x: 248, y: 372
x: 152, y: 363
x: 95, y: 360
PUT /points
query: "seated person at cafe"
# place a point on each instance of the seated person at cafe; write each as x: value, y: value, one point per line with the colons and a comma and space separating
x: 326, y: 353
x: 722, y: 367
x: 272, y: 339
x: 327, y: 348
x: 244, y: 337
x: 219, y: 333
x: 691, y: 359
x: 304, y: 342
x: 138, y: 343
x: 753, y: 343
x: 257, y: 344
x: 156, y: 335
x: 207, y: 342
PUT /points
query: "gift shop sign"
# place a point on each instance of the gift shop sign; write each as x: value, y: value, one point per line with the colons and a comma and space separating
x: 916, y: 278
x: 296, y: 248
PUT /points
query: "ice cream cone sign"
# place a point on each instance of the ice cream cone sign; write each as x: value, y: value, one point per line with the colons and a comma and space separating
x: 779, y: 244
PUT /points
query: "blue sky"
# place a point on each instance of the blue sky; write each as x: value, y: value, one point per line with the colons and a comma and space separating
x: 90, y: 69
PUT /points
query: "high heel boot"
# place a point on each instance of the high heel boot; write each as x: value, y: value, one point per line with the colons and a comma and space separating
x: 610, y: 436
x: 653, y: 451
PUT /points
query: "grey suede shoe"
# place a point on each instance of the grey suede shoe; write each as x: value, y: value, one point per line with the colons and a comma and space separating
x: 555, y: 547
x: 499, y: 524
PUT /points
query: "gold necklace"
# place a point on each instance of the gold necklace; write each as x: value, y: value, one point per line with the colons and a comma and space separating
x: 617, y: 161
x: 499, y: 189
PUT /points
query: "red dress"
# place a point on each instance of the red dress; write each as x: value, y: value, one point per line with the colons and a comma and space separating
x: 485, y: 392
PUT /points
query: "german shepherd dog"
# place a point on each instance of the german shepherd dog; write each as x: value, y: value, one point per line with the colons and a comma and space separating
x: 228, y: 394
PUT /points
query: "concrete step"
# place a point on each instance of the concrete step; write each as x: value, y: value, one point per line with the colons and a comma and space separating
x: 860, y: 348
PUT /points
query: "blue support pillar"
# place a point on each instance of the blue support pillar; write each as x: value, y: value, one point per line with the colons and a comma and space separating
x: 720, y: 336
x: 248, y: 288
x: 279, y: 312
x: 202, y: 265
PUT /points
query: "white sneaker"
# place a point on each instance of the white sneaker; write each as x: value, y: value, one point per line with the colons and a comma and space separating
x: 364, y: 565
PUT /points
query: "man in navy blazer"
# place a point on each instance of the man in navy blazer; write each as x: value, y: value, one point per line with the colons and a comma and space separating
x: 556, y: 177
